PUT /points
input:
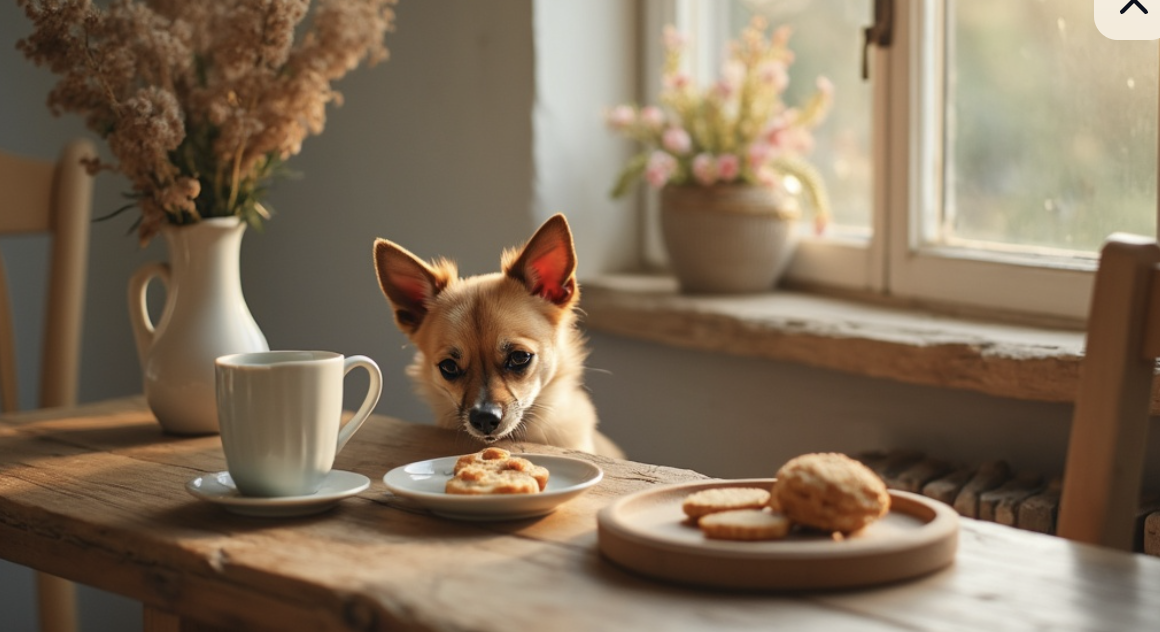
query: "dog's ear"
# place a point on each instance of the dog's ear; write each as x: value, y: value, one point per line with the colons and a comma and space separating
x: 547, y: 263
x: 409, y: 283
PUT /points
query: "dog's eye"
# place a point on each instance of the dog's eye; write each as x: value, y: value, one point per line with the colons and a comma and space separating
x: 517, y: 360
x: 449, y: 369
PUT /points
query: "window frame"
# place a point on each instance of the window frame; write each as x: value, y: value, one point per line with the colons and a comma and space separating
x: 906, y: 133
x: 1042, y: 286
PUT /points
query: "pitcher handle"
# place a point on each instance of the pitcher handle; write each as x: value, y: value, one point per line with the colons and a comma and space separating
x: 138, y: 309
x: 374, y: 390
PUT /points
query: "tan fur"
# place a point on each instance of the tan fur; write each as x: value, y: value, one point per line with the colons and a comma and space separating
x: 482, y: 325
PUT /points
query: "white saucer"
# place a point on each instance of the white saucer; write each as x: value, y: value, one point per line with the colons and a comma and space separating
x: 423, y: 483
x: 218, y: 488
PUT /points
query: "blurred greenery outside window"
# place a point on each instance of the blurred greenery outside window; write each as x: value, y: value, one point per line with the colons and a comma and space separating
x: 994, y: 147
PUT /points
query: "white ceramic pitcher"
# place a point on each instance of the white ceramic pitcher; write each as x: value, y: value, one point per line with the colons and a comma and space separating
x: 205, y: 316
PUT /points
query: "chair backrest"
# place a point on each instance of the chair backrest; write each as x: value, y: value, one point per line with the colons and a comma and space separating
x: 1105, y: 457
x: 54, y: 198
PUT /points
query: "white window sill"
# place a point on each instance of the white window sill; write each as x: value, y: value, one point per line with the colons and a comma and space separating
x: 912, y: 346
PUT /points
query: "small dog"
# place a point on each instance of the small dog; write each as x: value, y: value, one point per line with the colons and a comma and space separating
x: 498, y: 355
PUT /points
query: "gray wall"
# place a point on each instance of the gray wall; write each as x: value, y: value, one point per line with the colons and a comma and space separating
x: 472, y: 134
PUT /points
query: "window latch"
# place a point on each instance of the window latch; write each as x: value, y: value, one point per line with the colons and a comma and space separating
x: 879, y: 33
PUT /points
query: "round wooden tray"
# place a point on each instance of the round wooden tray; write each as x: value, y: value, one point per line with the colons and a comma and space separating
x: 646, y: 532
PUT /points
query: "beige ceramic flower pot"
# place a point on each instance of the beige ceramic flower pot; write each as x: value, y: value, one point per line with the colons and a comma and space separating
x: 728, y: 238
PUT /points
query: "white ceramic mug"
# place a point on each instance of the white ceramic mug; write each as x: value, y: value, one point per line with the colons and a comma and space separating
x: 280, y: 414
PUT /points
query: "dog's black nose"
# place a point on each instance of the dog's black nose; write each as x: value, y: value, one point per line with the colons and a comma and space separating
x: 485, y: 418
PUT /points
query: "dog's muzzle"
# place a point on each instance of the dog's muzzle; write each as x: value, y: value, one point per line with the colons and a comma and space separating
x: 485, y: 418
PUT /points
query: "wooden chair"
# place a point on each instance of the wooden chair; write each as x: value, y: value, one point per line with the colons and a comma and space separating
x: 1105, y: 458
x: 53, y: 198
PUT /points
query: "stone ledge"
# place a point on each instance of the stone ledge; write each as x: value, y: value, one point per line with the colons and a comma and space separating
x: 912, y: 346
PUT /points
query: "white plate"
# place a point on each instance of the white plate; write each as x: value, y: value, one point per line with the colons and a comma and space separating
x: 219, y: 488
x: 423, y: 483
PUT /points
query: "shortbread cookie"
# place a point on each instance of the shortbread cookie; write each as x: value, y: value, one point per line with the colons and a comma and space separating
x: 520, y: 464
x: 745, y: 524
x: 500, y: 462
x: 830, y: 492
x: 709, y: 501
x: 476, y: 480
x: 488, y: 456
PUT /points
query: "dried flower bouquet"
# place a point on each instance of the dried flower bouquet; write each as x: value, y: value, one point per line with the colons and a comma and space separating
x: 201, y: 101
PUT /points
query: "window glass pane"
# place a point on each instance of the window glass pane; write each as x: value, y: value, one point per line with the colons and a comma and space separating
x: 1050, y: 127
x: 827, y: 41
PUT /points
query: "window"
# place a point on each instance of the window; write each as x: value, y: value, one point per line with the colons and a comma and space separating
x: 994, y: 147
x: 827, y: 41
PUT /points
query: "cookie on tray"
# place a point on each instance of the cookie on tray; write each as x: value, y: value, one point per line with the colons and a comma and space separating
x: 830, y: 492
x: 717, y: 499
x: 745, y: 524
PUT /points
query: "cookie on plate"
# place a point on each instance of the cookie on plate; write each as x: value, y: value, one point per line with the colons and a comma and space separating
x: 476, y: 480
x: 745, y: 524
x: 496, y: 471
x: 717, y: 499
x: 830, y: 492
x: 487, y: 456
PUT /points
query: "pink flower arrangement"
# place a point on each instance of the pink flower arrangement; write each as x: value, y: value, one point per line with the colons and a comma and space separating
x: 738, y: 130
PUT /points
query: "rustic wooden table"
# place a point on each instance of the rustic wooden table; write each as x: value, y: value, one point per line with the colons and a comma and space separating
x: 96, y: 494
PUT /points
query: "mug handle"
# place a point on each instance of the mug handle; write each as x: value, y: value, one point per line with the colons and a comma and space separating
x: 374, y: 390
x: 138, y: 309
